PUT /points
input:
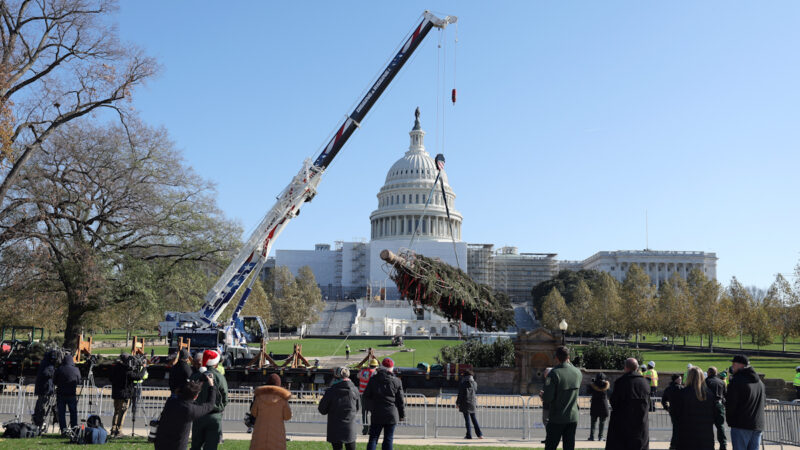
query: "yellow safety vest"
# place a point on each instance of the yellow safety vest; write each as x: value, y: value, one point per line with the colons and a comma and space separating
x: 797, y: 380
x: 652, y: 375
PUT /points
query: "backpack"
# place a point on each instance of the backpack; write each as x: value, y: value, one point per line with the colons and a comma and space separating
x: 19, y: 430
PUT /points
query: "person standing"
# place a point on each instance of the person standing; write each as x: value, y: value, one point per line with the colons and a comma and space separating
x: 744, y: 405
x: 696, y: 412
x: 341, y: 403
x: 545, y: 411
x: 561, y: 399
x: 180, y: 372
x: 44, y: 389
x: 668, y: 398
x: 628, y: 428
x: 363, y: 379
x: 270, y: 409
x: 347, y: 351
x: 717, y: 387
x: 796, y: 382
x: 652, y: 378
x: 179, y: 412
x: 384, y: 398
x: 207, y: 430
x: 599, y: 408
x: 123, y: 377
x: 467, y: 402
x: 66, y: 378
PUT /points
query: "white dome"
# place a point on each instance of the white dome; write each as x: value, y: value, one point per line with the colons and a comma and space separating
x: 401, y: 200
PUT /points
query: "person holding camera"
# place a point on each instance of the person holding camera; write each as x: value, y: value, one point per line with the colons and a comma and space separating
x: 124, y: 373
x: 67, y: 378
x: 44, y: 388
x: 180, y: 411
x: 180, y: 372
x: 207, y: 430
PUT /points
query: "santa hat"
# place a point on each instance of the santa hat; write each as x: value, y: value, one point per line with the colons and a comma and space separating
x: 210, y: 358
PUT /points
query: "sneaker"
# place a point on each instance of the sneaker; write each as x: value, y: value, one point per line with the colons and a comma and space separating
x: 467, y: 437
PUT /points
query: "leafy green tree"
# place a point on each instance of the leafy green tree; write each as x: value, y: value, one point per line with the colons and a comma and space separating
x: 500, y: 353
x: 760, y: 323
x: 310, y: 296
x: 741, y: 308
x: 294, y: 300
x: 637, y: 301
x: 712, y: 307
x: 554, y: 309
x: 784, y: 309
x: 674, y: 310
x: 580, y: 310
x: 605, y: 306
x: 566, y: 282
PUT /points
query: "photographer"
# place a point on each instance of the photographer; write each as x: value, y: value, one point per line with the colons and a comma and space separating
x: 125, y: 371
x: 44, y: 388
x: 66, y: 378
x: 180, y: 411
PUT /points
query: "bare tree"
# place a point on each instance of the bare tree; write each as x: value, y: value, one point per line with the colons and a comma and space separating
x: 100, y: 201
x: 61, y: 59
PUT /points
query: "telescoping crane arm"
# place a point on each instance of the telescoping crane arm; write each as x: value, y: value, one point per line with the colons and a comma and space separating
x: 302, y: 188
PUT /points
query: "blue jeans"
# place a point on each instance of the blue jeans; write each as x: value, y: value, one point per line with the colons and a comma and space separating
x: 375, y: 433
x: 467, y: 417
x: 742, y: 439
x: 62, y: 404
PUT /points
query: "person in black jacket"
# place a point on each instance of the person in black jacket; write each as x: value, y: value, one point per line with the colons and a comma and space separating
x: 122, y: 377
x: 667, y: 400
x: 341, y: 403
x: 467, y: 402
x: 628, y: 428
x: 66, y: 378
x: 180, y: 373
x: 598, y: 409
x: 179, y: 413
x: 718, y: 388
x: 696, y: 411
x: 384, y: 399
x: 744, y: 405
x: 44, y: 388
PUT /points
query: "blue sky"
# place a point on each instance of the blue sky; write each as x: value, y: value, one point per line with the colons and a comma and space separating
x: 573, y: 118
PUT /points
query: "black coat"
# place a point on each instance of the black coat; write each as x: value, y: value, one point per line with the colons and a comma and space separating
x: 179, y: 374
x: 717, y: 387
x: 122, y: 378
x: 630, y: 400
x: 466, y: 400
x: 384, y: 398
x: 599, y: 392
x: 669, y: 396
x: 341, y: 402
x: 745, y: 401
x: 44, y: 376
x: 176, y: 421
x: 695, y: 419
x: 67, y: 378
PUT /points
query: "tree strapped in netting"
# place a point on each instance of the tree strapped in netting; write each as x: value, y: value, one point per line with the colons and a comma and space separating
x: 428, y: 283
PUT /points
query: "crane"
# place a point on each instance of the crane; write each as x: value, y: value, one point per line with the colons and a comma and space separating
x: 232, y: 338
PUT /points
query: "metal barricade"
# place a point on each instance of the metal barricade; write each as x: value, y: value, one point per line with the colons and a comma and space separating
x: 494, y: 412
x: 782, y: 423
x: 239, y: 401
x: 149, y: 403
x: 534, y: 415
x: 416, y: 409
x: 304, y: 407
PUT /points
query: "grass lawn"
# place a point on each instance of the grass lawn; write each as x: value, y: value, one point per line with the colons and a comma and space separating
x: 56, y: 442
x: 118, y: 335
x: 676, y: 362
x: 792, y: 344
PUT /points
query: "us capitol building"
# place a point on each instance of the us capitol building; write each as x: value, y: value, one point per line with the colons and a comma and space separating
x: 353, y: 270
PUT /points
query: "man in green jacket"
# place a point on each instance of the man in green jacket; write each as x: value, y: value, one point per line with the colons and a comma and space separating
x: 561, y: 398
x: 207, y: 430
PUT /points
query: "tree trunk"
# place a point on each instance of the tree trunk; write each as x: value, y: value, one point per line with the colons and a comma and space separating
x: 637, y: 338
x: 72, y: 332
x: 783, y: 344
x: 701, y: 341
x: 673, y: 342
x: 741, y: 337
x: 711, y: 342
x: 580, y: 339
x: 684, y: 340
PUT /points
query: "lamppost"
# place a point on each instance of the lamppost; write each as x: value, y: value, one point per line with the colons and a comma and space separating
x: 563, y: 327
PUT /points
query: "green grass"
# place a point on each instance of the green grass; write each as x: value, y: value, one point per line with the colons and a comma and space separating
x: 57, y: 442
x: 792, y: 345
x: 676, y: 362
x: 118, y: 335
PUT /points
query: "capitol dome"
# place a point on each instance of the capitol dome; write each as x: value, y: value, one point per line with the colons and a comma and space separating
x: 401, y: 200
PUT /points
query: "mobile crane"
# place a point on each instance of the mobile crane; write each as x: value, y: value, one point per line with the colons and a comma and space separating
x: 232, y: 338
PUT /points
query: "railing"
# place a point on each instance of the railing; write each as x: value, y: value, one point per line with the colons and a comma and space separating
x: 782, y: 423
x: 494, y: 412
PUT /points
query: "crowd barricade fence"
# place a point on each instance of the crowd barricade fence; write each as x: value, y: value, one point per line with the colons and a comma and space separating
x: 494, y: 412
x: 416, y: 409
x: 782, y: 424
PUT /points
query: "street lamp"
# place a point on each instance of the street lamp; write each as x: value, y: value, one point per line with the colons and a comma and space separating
x: 563, y: 327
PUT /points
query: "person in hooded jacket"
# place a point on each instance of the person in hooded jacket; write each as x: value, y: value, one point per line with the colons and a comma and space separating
x: 207, y: 429
x: 744, y: 405
x: 695, y: 410
x: 178, y: 414
x: 718, y: 388
x: 628, y: 428
x: 44, y: 388
x: 384, y: 398
x: 123, y: 376
x: 667, y: 400
x: 180, y: 372
x: 467, y: 402
x: 599, y: 407
x: 67, y: 378
x: 341, y: 403
x: 270, y: 409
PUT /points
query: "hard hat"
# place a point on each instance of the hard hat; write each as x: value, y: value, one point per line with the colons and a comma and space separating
x: 651, y: 364
x: 689, y: 366
x: 373, y: 362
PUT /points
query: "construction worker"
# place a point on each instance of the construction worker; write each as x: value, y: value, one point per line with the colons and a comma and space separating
x: 652, y: 378
x: 797, y: 381
x: 363, y: 379
x: 347, y: 351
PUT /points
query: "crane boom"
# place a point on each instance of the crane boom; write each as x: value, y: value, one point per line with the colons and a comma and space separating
x: 300, y: 190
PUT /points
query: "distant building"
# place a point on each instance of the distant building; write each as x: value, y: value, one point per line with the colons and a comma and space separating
x: 658, y: 264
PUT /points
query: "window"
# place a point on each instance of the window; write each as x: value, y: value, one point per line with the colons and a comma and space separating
x: 404, y: 199
x: 423, y: 198
x: 417, y: 199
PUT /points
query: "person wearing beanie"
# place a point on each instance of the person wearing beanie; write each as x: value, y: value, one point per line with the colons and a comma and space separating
x: 467, y: 403
x: 341, y: 403
x: 668, y: 398
x: 599, y: 407
x: 207, y: 430
x: 363, y: 378
x: 384, y: 399
x: 178, y: 414
x: 180, y: 372
x: 270, y: 409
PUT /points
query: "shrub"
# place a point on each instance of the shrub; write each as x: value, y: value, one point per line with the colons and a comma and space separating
x: 599, y: 356
x: 498, y: 354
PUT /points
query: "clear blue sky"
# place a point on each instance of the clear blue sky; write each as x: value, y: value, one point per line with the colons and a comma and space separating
x: 573, y: 118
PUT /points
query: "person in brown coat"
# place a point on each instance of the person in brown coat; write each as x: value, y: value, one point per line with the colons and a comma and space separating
x: 270, y: 409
